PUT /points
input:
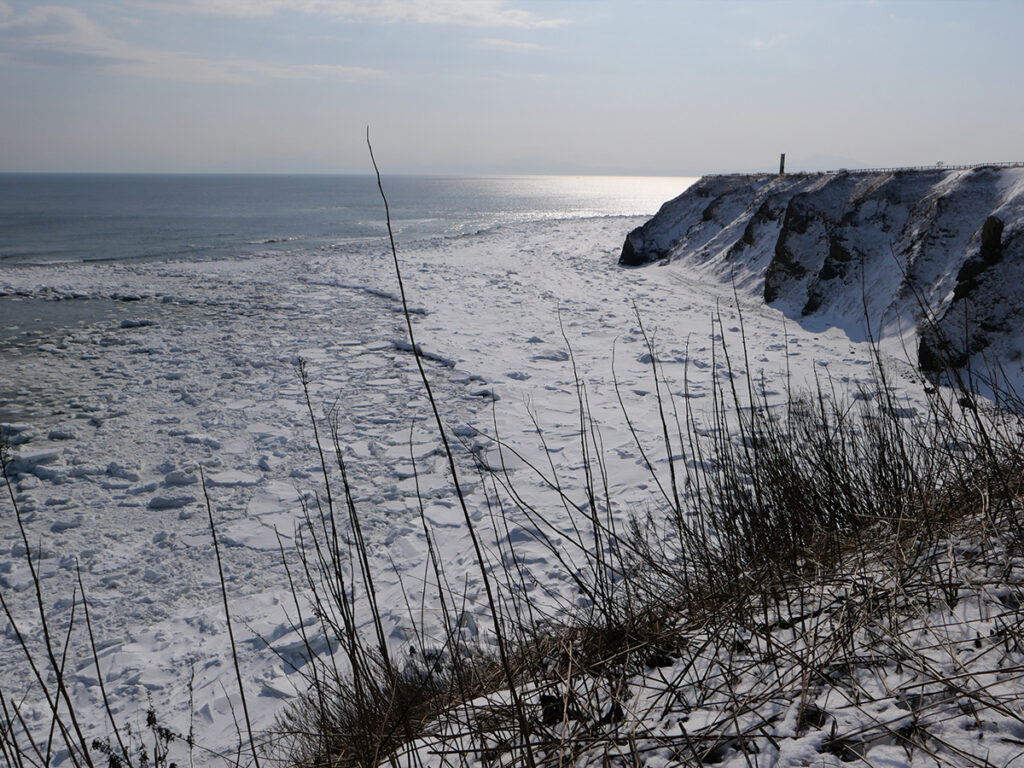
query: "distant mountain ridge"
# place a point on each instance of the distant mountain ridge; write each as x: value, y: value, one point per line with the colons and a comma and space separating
x: 846, y: 246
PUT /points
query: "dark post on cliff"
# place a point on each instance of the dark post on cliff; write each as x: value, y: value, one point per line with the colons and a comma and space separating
x: 782, y: 164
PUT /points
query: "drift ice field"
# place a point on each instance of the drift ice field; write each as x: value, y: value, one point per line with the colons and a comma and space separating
x: 179, y: 369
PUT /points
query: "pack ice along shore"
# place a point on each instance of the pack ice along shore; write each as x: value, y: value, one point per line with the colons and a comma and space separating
x: 939, y: 250
x: 175, y: 365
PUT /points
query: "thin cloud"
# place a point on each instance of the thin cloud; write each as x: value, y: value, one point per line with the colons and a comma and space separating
x: 60, y: 37
x: 509, y: 45
x: 466, y: 13
x: 48, y: 23
x: 763, y: 44
x: 304, y: 71
x: 65, y: 38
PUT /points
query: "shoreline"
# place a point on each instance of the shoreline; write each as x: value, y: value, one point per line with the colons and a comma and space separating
x: 220, y: 390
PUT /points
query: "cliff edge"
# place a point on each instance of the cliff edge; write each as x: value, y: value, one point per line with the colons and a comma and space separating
x: 942, y: 250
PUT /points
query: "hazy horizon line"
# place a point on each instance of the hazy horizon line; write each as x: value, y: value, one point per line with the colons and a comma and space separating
x: 424, y: 174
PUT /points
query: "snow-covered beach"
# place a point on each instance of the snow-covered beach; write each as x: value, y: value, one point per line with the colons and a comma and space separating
x: 119, y: 414
x: 181, y: 367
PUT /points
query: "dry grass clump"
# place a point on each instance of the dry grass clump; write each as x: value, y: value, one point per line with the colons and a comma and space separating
x: 833, y: 580
x: 808, y: 584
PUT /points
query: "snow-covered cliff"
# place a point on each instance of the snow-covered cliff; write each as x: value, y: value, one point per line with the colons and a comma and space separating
x: 844, y: 247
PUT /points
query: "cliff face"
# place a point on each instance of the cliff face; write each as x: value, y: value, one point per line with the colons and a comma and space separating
x: 843, y: 247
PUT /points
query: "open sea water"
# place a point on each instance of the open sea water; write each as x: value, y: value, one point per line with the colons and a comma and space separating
x: 86, y: 217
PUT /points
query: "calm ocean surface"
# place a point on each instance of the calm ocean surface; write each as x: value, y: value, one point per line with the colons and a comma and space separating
x: 86, y: 217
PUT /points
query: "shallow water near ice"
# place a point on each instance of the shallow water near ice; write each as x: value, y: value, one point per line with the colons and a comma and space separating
x: 27, y: 321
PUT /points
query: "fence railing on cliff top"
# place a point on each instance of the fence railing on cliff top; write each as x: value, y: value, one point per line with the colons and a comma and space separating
x: 894, y: 169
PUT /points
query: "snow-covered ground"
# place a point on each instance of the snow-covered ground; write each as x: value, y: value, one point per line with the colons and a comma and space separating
x: 832, y: 247
x: 181, y: 366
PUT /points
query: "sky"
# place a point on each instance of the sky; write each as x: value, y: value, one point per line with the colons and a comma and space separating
x: 634, y: 87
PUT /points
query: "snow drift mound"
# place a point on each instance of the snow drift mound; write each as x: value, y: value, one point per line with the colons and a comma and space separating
x: 839, y: 247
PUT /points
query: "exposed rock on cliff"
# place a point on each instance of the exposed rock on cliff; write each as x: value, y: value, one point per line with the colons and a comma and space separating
x: 939, y: 249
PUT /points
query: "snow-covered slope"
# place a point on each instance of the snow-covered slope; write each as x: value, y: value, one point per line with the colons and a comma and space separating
x: 841, y: 247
